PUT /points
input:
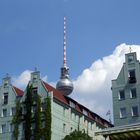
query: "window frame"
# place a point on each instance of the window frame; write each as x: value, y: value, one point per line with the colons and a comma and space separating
x: 4, y: 112
x: 123, y: 112
x: 133, y: 93
x: 120, y: 95
x: 3, y: 128
x: 5, y: 98
x: 136, y: 114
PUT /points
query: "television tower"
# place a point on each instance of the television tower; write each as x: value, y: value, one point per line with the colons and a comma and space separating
x: 65, y: 85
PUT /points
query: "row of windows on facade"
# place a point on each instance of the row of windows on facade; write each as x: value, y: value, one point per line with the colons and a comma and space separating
x: 73, y: 115
x: 76, y: 118
x: 133, y: 94
x: 10, y: 127
x: 134, y: 112
x: 5, y: 95
x: 6, y: 128
x: 73, y: 105
x: 87, y: 126
x: 4, y: 112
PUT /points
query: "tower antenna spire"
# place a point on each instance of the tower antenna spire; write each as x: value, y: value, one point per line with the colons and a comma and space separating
x: 64, y: 45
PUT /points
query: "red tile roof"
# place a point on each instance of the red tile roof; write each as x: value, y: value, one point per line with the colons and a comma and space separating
x: 18, y: 91
x: 78, y: 107
x: 57, y: 94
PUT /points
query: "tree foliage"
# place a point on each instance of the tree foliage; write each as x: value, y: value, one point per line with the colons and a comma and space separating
x: 16, y: 120
x: 28, y: 114
x: 48, y: 119
x: 77, y: 135
x: 33, y: 117
x: 37, y: 117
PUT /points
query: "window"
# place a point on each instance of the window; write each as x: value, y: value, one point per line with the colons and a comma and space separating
x: 34, y: 107
x: 24, y: 110
x: 90, y: 126
x: 64, y: 111
x: 6, y: 83
x: 4, y: 112
x: 5, y: 98
x: 34, y: 91
x: 23, y: 125
x: 33, y: 126
x: 72, y: 104
x: 64, y: 127
x: 85, y: 112
x: 121, y: 95
x: 43, y: 124
x: 132, y: 76
x: 122, y: 112
x: 34, y: 78
x: 73, y: 116
x: 130, y: 58
x: 11, y: 128
x: 85, y: 122
x: 134, y: 111
x: 133, y: 93
x: 13, y: 111
x: 3, y: 128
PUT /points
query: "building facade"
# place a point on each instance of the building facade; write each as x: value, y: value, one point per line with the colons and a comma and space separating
x: 125, y: 92
x: 126, y: 102
x: 9, y: 94
x: 67, y: 114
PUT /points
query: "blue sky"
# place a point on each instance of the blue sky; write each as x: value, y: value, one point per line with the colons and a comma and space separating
x: 31, y: 33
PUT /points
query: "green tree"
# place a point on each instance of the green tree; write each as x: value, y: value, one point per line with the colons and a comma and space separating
x: 48, y: 119
x: 28, y: 115
x: 77, y: 135
x: 38, y: 128
x: 16, y: 120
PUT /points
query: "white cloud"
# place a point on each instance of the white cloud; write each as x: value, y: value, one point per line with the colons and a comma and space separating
x: 93, y: 86
x: 22, y: 80
x: 45, y: 78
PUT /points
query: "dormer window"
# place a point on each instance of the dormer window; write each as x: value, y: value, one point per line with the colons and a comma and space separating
x: 132, y: 76
x: 72, y: 104
x: 85, y: 112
